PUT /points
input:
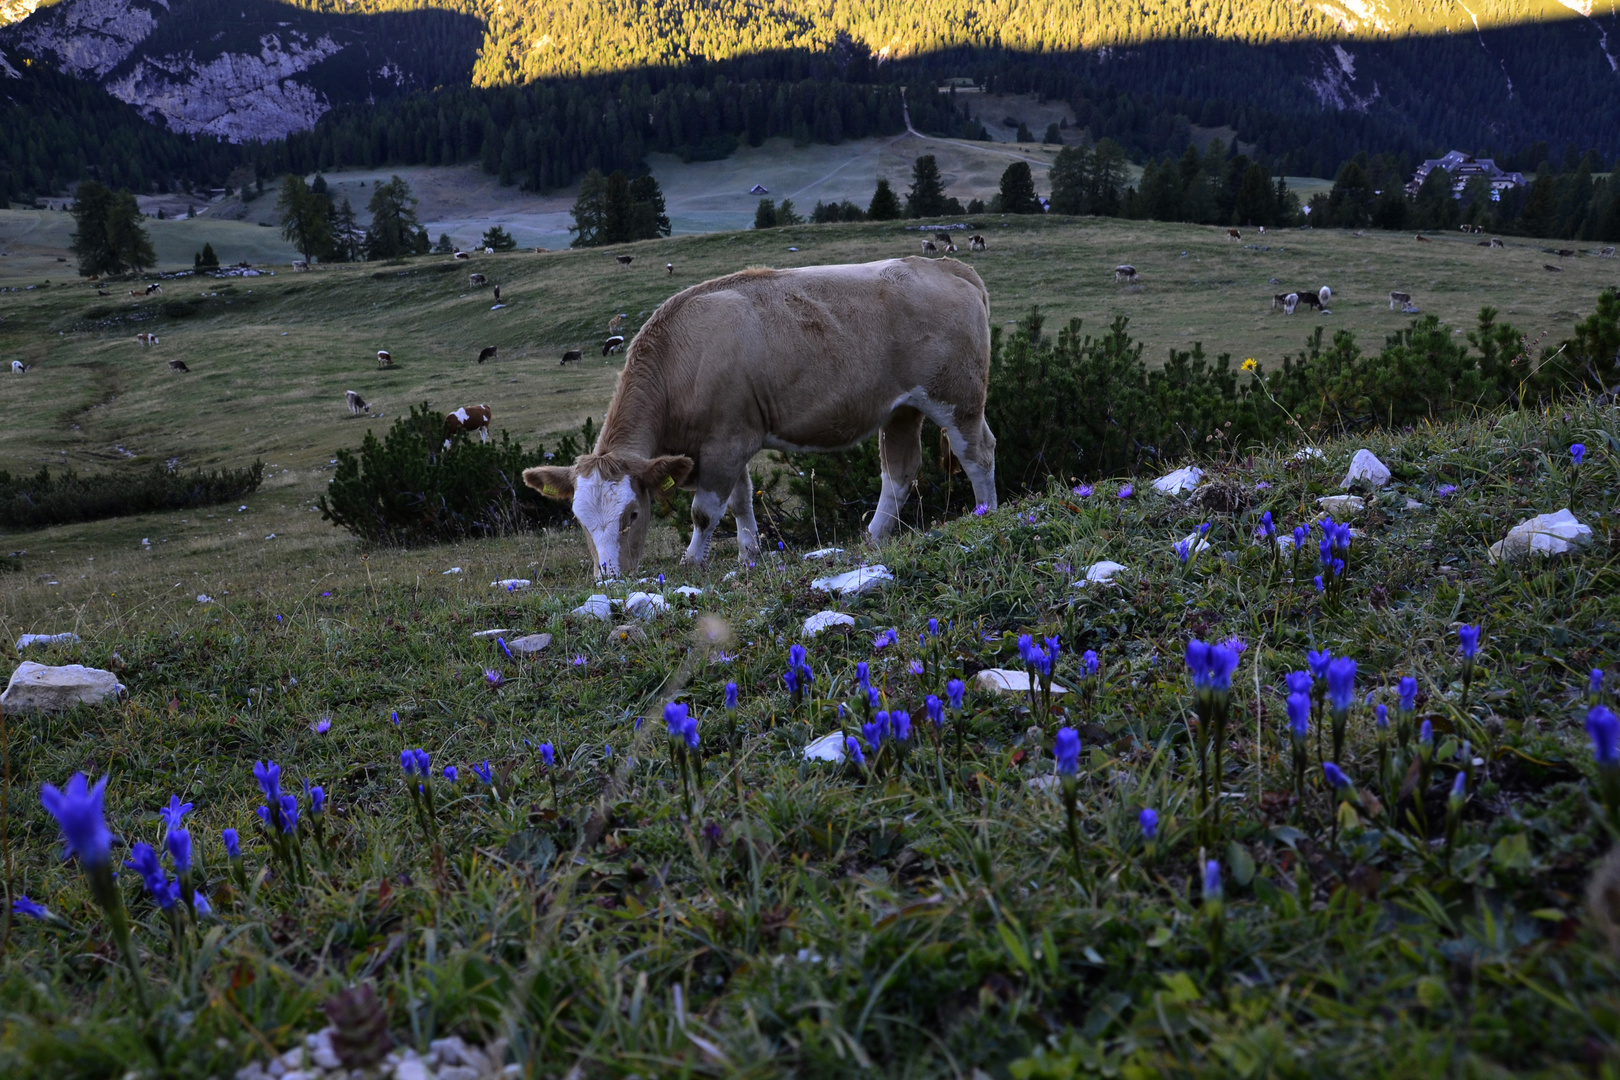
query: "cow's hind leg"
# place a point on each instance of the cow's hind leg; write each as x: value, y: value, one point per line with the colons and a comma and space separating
x: 742, y: 511
x: 900, y: 449
x: 976, y: 450
x: 707, y: 506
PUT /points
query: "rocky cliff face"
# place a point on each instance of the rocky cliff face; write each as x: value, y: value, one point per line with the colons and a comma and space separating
x: 243, y: 70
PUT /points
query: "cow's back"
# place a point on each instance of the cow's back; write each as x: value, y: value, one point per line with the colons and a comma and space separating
x: 811, y: 357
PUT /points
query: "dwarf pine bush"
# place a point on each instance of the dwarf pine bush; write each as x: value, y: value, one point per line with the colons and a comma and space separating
x: 33, y: 502
x: 409, y: 487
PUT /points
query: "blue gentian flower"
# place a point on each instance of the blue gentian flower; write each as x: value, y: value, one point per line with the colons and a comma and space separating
x: 731, y: 695
x: 953, y: 693
x: 24, y: 906
x: 1212, y: 880
x: 863, y: 675
x: 1183, y: 550
x: 394, y: 717
x: 548, y: 754
x: 1459, y: 788
x: 873, y: 697
x: 1149, y: 820
x: 289, y: 813
x: 179, y: 845
x: 1211, y: 665
x: 675, y: 719
x: 1300, y: 534
x: 917, y: 667
x: 1318, y: 662
x: 1426, y: 734
x: 1299, y: 682
x: 143, y: 859
x: 791, y: 679
x: 1577, y: 452
x: 1381, y: 717
x: 422, y: 761
x: 1266, y: 529
x: 852, y: 750
x: 797, y: 657
x: 1299, y: 715
x: 872, y: 731
x: 901, y: 723
x: 689, y: 732
x: 1341, y: 680
x: 1408, y: 692
x: 1066, y: 748
x: 268, y: 774
x: 1335, y: 775
x: 484, y: 772
x: 78, y: 813
x: 233, y: 843
x: 407, y: 761
x: 1026, y: 647
x: 1594, y: 685
x: 200, y: 904
x: 450, y: 773
x: 1604, y: 728
x: 933, y: 628
x: 1319, y: 586
x: 889, y: 637
x: 1468, y: 638
x: 317, y: 797
x: 935, y: 709
x: 1088, y: 660
x: 173, y: 813
x: 500, y: 641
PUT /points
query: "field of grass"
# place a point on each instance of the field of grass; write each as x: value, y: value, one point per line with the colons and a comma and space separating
x: 923, y: 915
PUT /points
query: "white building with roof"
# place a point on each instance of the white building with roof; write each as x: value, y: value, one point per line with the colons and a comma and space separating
x: 1463, y: 168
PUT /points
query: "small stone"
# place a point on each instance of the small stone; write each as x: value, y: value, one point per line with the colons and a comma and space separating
x: 822, y: 553
x: 1178, y: 482
x: 40, y: 686
x: 627, y: 633
x: 644, y: 606
x: 321, y: 1050
x: 412, y: 1068
x: 448, y: 1051
x: 294, y: 1058
x: 826, y: 748
x: 596, y: 606
x: 33, y: 640
x: 1342, y: 504
x: 689, y: 591
x: 484, y: 635
x: 296, y: 1074
x: 1544, y: 534
x: 275, y: 1068
x: 511, y: 584
x: 1009, y: 681
x: 1365, y: 468
x: 529, y: 643
x: 251, y: 1071
x: 854, y: 582
x: 1101, y: 573
x: 826, y: 620
x: 459, y: 1072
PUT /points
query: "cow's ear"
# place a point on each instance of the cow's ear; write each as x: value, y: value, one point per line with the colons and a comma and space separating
x: 552, y: 481
x: 664, y: 473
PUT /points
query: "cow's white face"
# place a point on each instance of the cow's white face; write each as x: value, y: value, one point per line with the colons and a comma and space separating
x: 614, y: 516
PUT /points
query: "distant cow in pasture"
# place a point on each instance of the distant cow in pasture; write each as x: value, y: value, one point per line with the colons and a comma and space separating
x: 468, y: 418
x: 103, y: 292
x: 1554, y: 269
x: 475, y: 280
x: 18, y: 367
x: 136, y: 293
x: 299, y: 266
x: 613, y: 344
x: 1233, y: 234
x: 489, y: 251
x: 178, y: 365
x: 154, y: 289
x: 1290, y: 302
x: 943, y: 239
x: 1420, y: 238
x: 486, y: 353
x: 1606, y: 253
x: 461, y: 255
x: 976, y: 243
x: 572, y: 356
x: 357, y: 404
x: 1279, y: 301
x: 1323, y: 295
x: 146, y: 339
x: 385, y: 358
x: 1124, y: 272
x: 929, y: 247
x: 718, y: 375
x: 541, y: 250
x: 624, y: 260
x: 1401, y: 298
x: 616, y: 323
x: 497, y: 294
x: 1564, y: 253
x: 1496, y: 242
x: 1262, y: 230
x: 670, y: 267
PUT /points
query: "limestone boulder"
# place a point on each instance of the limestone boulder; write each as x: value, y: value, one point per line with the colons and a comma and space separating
x: 44, y: 688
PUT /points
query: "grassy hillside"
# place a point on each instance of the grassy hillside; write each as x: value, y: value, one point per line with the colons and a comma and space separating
x: 921, y: 919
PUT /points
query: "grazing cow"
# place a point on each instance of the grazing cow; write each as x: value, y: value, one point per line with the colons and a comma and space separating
x: 1233, y: 234
x: 1124, y: 272
x: 1402, y: 298
x: 468, y: 418
x: 1262, y: 230
x: 816, y: 358
x: 136, y: 293
x: 943, y: 239
x: 613, y: 344
x: 474, y: 280
x: 928, y: 245
x: 671, y: 268
x: 1323, y: 295
x: 1606, y: 253
x: 1420, y: 238
x: 385, y: 358
x: 497, y: 294
x: 18, y: 367
x: 1487, y: 243
x: 624, y: 260
x: 1290, y: 302
x: 1496, y: 242
x: 1279, y: 301
x: 489, y: 251
x: 950, y: 249
x: 486, y: 353
x: 541, y: 250
x: 1565, y: 253
x: 616, y: 323
x: 572, y: 356
x: 299, y: 266
x: 146, y: 339
x: 178, y: 365
x: 1554, y: 269
x: 462, y: 255
x: 154, y: 289
x: 357, y: 404
x: 976, y: 243
x: 103, y: 292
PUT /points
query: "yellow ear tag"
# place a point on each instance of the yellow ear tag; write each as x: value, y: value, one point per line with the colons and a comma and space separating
x: 549, y: 489
x: 669, y: 482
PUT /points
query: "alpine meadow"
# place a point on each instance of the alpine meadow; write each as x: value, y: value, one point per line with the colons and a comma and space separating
x: 375, y: 371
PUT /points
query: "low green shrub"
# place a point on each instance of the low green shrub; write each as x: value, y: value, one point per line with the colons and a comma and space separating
x: 43, y: 499
x: 409, y: 488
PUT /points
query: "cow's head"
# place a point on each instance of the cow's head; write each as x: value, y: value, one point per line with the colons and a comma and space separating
x: 612, y: 498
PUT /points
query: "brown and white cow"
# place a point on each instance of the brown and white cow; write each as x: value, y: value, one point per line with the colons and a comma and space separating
x: 817, y: 358
x: 1233, y: 234
x: 976, y: 242
x: 928, y: 246
x: 616, y: 323
x: 357, y: 404
x: 146, y: 339
x: 468, y: 418
x: 1401, y: 298
x: 385, y: 358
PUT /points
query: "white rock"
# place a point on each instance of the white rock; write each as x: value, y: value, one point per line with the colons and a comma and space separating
x: 450, y: 1051
x: 854, y: 582
x: 460, y: 1072
x: 323, y: 1053
x: 251, y: 1071
x: 1010, y: 681
x: 1412, y: 504
x: 529, y: 643
x: 40, y: 686
x: 299, y: 1074
x: 1544, y: 534
x: 1196, y: 544
x: 275, y: 1068
x: 1180, y: 481
x: 1101, y: 573
x: 689, y: 590
x: 1309, y: 453
x: 596, y: 606
x: 412, y: 1068
x: 1342, y: 504
x: 511, y: 583
x: 824, y: 620
x: 484, y: 635
x: 29, y: 640
x: 1366, y: 468
x: 645, y: 606
x: 826, y: 748
x: 453, y: 570
x: 822, y: 553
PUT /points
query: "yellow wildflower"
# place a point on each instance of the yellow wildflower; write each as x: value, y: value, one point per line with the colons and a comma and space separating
x: 1251, y: 365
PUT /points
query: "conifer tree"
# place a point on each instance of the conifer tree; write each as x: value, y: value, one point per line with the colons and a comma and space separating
x: 885, y: 205
x: 1018, y: 190
x: 927, y: 195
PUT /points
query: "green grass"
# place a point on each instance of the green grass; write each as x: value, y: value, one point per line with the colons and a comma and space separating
x: 825, y: 922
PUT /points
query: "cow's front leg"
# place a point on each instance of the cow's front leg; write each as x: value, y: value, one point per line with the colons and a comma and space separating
x: 707, y: 506
x: 742, y: 511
